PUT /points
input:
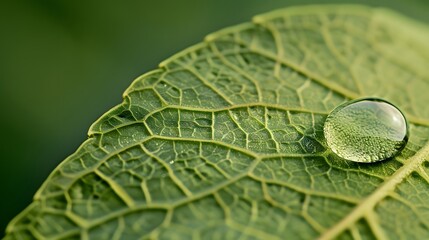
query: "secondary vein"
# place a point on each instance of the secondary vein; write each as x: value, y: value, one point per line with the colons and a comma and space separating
x: 368, y: 204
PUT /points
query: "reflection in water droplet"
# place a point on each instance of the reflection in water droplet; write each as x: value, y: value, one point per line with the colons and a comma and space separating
x: 171, y: 162
x: 366, y: 130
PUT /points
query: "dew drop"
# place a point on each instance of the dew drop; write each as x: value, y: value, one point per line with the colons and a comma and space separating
x: 366, y: 130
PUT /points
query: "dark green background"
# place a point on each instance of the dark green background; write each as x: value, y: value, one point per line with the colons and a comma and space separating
x: 64, y: 63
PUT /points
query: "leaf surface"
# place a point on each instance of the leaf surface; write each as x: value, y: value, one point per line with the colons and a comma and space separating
x: 225, y: 139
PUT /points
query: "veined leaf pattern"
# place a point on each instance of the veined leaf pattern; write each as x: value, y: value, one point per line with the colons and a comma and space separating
x: 225, y: 139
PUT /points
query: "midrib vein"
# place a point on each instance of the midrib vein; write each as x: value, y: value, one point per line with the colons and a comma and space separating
x: 368, y: 204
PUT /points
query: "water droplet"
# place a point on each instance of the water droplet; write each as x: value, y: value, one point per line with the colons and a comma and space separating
x: 366, y: 130
x: 171, y: 162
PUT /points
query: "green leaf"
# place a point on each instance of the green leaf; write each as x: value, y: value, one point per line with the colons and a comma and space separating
x: 225, y: 140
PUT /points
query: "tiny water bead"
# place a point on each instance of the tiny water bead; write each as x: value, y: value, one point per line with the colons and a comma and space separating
x: 366, y: 130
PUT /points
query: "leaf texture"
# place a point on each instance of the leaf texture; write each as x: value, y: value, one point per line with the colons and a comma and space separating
x: 225, y: 139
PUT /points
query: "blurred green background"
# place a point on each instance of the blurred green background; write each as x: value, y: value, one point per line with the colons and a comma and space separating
x: 64, y: 63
